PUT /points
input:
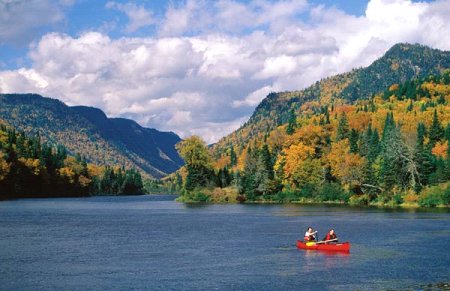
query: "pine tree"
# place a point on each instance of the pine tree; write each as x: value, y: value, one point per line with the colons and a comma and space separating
x: 268, y: 162
x: 423, y: 157
x: 447, y: 133
x: 398, y: 166
x: 292, y: 123
x: 436, y: 130
x: 354, y: 138
x: 421, y: 134
x: 365, y: 141
x: 233, y: 158
x: 343, y: 128
x: 389, y: 125
x: 374, y: 147
x: 327, y: 115
x: 410, y: 106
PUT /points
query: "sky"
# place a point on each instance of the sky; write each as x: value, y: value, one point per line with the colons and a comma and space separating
x: 195, y: 66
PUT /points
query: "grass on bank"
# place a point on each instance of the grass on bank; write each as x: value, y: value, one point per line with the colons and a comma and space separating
x: 432, y: 196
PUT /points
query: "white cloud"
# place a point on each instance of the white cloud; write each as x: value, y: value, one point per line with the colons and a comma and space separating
x: 205, y: 71
x: 138, y: 16
x: 255, y: 97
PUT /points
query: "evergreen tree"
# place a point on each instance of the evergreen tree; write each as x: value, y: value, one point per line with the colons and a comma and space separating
x: 233, y: 158
x: 389, y: 125
x: 365, y: 141
x: 447, y: 133
x: 267, y: 160
x: 343, y: 128
x: 436, y: 130
x: 374, y: 147
x: 354, y: 138
x: 327, y: 115
x: 423, y: 157
x: 292, y: 122
x: 398, y: 166
x: 410, y: 106
x: 421, y: 134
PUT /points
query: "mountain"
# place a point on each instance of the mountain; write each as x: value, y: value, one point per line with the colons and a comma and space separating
x: 89, y: 132
x: 378, y: 135
x: 400, y: 63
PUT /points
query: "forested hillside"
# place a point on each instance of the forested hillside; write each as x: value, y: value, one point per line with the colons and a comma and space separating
x: 391, y: 147
x: 30, y: 168
x: 401, y: 63
x: 87, y: 131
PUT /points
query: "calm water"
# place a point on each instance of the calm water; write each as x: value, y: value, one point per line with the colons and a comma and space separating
x: 151, y: 242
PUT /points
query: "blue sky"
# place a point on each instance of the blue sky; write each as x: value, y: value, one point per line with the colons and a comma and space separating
x: 196, y: 66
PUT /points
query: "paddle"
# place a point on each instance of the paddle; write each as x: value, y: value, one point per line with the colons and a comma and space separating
x: 325, y: 241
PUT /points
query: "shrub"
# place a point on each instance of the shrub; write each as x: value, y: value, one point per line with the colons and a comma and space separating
x: 287, y: 195
x: 410, y: 197
x: 359, y: 199
x: 434, y: 196
x: 199, y: 196
x: 332, y: 192
x: 397, y: 199
x: 307, y: 191
x: 194, y: 196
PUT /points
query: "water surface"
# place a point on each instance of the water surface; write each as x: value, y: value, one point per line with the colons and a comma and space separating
x: 153, y: 242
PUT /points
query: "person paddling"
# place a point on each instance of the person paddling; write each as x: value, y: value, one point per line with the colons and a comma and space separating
x: 331, y: 235
x: 310, y: 235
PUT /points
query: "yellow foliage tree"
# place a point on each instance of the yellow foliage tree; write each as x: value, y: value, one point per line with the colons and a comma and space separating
x: 194, y: 152
x: 299, y: 167
x: 32, y: 164
x: 4, y: 167
x: 347, y: 167
x: 440, y: 149
x: 67, y: 174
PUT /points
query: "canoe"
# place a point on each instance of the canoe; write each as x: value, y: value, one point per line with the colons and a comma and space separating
x: 333, y: 247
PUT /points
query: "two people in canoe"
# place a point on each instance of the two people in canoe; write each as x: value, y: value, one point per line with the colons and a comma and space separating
x: 310, y: 235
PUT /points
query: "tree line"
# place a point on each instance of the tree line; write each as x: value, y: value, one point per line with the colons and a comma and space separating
x: 30, y: 168
x: 391, y: 149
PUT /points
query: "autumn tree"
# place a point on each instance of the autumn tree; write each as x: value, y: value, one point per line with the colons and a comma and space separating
x: 299, y: 166
x: 348, y: 167
x: 198, y: 162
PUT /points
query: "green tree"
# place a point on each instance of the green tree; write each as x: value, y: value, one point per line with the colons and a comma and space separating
x: 292, y: 122
x: 398, y: 166
x: 198, y: 160
x: 436, y: 130
x: 353, y: 139
x: 343, y: 128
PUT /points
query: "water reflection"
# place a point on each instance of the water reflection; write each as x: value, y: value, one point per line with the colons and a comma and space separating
x: 318, y: 260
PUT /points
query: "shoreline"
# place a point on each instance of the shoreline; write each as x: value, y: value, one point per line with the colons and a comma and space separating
x: 404, y: 206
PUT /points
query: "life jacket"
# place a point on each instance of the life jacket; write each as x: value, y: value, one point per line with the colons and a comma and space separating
x: 329, y: 236
x: 309, y: 238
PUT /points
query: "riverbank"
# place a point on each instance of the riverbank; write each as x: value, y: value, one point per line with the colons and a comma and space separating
x: 436, y: 196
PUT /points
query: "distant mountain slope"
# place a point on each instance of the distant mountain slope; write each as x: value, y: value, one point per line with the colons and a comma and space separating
x: 400, y: 63
x: 87, y: 131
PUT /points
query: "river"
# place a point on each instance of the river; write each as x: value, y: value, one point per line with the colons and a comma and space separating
x: 155, y: 243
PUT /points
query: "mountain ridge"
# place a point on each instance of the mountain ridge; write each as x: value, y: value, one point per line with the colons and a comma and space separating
x: 89, y: 132
x: 401, y: 62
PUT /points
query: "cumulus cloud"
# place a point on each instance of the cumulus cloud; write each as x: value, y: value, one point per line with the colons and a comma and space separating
x: 21, y: 20
x: 211, y: 62
x: 137, y: 15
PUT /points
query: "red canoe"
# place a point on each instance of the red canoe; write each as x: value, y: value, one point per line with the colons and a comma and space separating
x: 337, y: 247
